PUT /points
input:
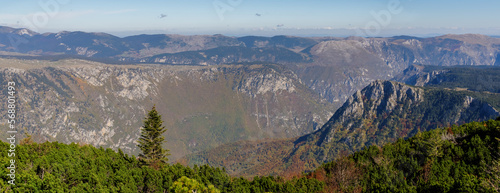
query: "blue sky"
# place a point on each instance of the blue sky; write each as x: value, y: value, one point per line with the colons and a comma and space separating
x: 257, y: 17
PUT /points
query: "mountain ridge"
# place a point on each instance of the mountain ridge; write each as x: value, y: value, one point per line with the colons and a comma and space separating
x: 333, y: 67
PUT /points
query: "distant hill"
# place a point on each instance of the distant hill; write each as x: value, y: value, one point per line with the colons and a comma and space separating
x: 293, y: 43
x: 230, y: 55
x: 140, y: 47
x: 381, y: 113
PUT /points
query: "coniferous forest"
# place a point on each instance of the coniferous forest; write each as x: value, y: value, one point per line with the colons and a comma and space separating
x: 462, y: 158
x: 58, y: 167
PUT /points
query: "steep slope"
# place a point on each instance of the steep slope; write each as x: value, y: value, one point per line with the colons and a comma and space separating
x: 203, y: 107
x: 380, y: 113
x: 341, y: 67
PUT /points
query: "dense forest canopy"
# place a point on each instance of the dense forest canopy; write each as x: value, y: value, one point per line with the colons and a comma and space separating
x: 462, y: 158
x: 57, y: 167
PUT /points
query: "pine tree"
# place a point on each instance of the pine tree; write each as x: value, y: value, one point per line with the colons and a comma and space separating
x: 151, y: 139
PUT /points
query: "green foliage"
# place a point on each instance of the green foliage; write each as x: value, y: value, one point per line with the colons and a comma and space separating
x: 56, y: 167
x: 455, y: 159
x: 187, y: 185
x: 151, y: 139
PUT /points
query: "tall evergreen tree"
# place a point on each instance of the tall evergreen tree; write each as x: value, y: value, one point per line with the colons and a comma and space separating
x: 151, y: 139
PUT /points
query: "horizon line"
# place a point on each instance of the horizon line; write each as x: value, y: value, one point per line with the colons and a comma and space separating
x: 262, y: 33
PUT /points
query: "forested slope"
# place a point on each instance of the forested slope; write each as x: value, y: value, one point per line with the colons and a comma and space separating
x: 462, y: 158
x: 57, y: 167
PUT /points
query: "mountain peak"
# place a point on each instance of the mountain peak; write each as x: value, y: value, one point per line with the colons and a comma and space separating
x: 25, y: 31
x: 383, y: 95
x: 18, y: 31
x: 390, y: 90
x: 386, y: 110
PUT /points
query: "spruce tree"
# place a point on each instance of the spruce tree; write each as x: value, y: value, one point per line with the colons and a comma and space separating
x: 151, y: 139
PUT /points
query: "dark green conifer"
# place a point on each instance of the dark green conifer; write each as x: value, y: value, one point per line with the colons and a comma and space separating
x: 151, y: 139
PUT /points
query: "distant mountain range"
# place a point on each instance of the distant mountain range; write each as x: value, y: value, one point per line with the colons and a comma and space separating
x: 333, y: 67
x: 254, y: 105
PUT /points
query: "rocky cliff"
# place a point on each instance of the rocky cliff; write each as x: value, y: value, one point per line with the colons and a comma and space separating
x: 400, y: 110
x: 104, y: 105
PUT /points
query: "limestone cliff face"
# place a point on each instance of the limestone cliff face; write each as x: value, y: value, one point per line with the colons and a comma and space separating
x: 384, y: 96
x: 104, y: 105
x: 386, y: 110
x: 255, y: 84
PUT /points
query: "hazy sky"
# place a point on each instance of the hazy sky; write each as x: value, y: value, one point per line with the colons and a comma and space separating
x: 256, y: 17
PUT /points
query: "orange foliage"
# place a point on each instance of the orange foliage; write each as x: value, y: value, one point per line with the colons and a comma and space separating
x: 345, y: 176
x: 426, y: 171
x: 449, y: 130
x: 318, y: 175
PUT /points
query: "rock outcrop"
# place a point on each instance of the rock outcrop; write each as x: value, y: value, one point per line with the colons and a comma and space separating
x: 385, y: 110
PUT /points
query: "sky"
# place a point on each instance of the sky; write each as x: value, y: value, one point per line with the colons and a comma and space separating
x: 256, y: 17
